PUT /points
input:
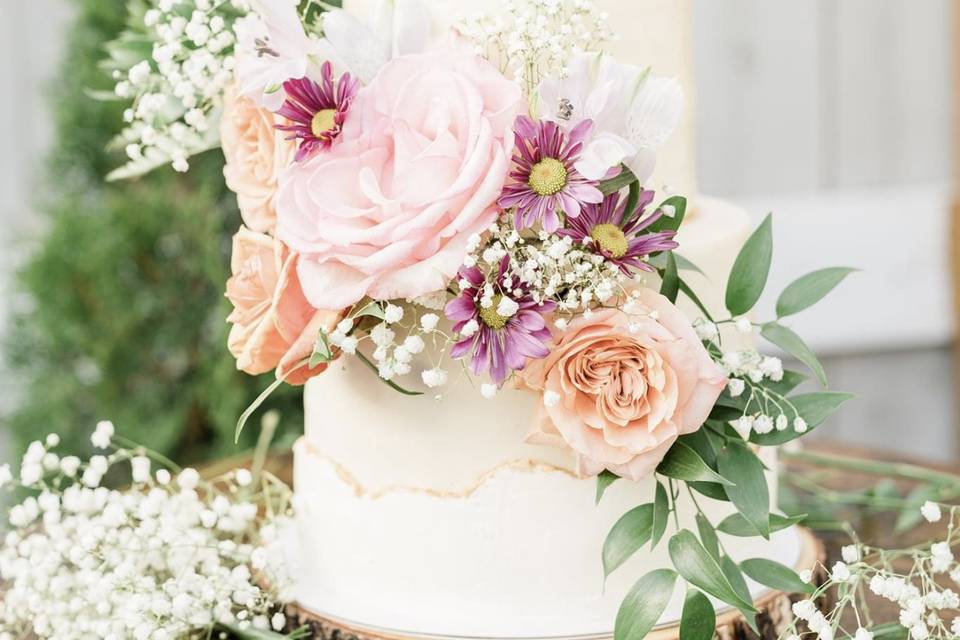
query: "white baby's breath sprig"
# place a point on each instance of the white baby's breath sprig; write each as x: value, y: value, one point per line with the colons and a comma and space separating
x: 164, y: 558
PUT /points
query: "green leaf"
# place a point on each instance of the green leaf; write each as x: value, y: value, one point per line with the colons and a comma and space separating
x: 687, y: 291
x: 321, y: 350
x: 604, y: 480
x: 710, y: 489
x: 644, y: 604
x: 737, y: 525
x: 670, y: 223
x: 683, y: 463
x: 750, y: 270
x: 775, y: 575
x: 708, y: 536
x: 629, y: 533
x: 702, y: 441
x: 808, y: 290
x: 373, y: 310
x: 633, y: 198
x: 251, y: 633
x: 698, y: 620
x: 623, y: 179
x: 750, y: 493
x: 670, y: 285
x: 700, y: 569
x: 733, y: 574
x: 659, y: 261
x: 790, y: 342
x: 790, y: 381
x: 661, y: 512
x: 814, y: 408
x: 890, y: 631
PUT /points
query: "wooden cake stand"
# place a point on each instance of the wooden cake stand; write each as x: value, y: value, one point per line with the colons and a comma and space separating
x: 773, y: 606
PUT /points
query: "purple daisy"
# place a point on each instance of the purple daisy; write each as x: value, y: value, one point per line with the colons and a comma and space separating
x: 317, y: 111
x: 617, y: 237
x: 499, y: 340
x: 545, y: 180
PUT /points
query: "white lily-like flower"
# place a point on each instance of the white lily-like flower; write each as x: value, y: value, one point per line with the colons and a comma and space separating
x: 273, y: 47
x: 397, y: 27
x: 633, y: 112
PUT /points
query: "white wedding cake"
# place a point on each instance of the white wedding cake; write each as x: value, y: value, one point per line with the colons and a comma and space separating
x: 432, y: 516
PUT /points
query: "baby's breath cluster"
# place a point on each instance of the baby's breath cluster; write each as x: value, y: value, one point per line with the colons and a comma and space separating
x: 553, y: 267
x: 400, y: 340
x: 909, y: 578
x: 177, y: 93
x: 534, y: 38
x: 171, y: 556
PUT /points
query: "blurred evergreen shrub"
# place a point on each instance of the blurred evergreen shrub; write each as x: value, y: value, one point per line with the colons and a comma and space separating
x: 126, y: 319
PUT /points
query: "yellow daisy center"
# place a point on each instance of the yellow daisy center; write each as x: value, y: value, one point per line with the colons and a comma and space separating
x: 610, y: 238
x: 548, y: 177
x: 490, y: 317
x: 323, y: 121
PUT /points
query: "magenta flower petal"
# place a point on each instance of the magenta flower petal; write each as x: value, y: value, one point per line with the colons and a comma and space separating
x: 501, y: 344
x: 545, y: 178
x: 316, y: 111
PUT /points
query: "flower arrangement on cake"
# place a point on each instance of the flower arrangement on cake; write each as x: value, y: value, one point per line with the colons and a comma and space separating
x: 476, y: 207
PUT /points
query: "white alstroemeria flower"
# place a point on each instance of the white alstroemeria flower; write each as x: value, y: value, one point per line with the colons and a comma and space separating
x: 633, y: 112
x: 272, y: 47
x: 398, y: 27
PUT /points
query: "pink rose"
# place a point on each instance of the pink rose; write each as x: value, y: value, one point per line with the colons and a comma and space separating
x: 274, y: 327
x: 255, y: 155
x: 417, y: 170
x: 624, y: 397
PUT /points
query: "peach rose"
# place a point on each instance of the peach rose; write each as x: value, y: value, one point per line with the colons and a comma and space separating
x: 274, y: 327
x: 417, y: 169
x: 623, y: 397
x: 255, y: 154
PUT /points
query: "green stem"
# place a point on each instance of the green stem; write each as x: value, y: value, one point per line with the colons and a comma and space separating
x: 847, y: 463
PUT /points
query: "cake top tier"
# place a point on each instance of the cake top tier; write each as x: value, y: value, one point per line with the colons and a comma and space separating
x: 650, y: 33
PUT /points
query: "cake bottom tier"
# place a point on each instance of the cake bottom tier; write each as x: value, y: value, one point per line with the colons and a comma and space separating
x: 517, y: 555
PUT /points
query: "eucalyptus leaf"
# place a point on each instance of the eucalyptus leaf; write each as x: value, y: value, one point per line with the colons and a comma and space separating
x: 670, y: 284
x: 910, y: 514
x: 790, y: 342
x: 644, y: 604
x: 666, y: 222
x: 659, y: 261
x: 698, y: 620
x: 750, y: 270
x: 633, y: 199
x: 708, y: 536
x: 710, y: 489
x: 604, y: 480
x: 694, y: 298
x: 252, y: 633
x: 661, y: 511
x: 733, y: 574
x: 683, y: 463
x: 737, y: 525
x: 814, y: 408
x: 700, y: 569
x: 623, y: 179
x: 750, y: 493
x: 775, y: 575
x: 806, y: 291
x: 627, y: 536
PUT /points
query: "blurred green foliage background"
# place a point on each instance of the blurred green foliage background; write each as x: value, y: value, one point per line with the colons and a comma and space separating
x: 127, y: 314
